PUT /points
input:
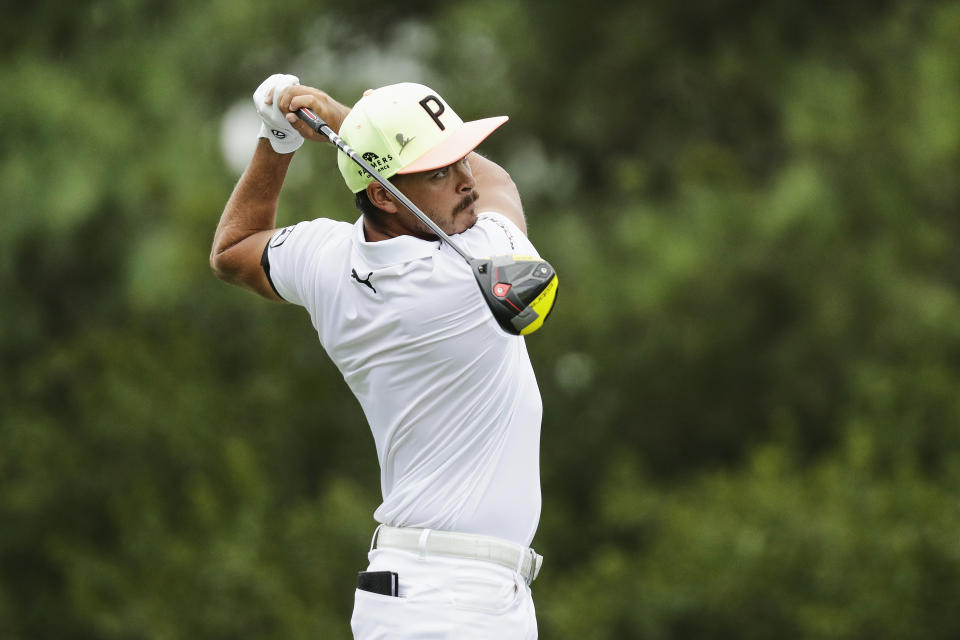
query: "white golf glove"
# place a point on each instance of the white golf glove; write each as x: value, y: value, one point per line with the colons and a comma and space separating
x: 275, y: 128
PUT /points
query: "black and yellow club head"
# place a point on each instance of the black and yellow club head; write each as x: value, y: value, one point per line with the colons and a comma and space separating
x: 520, y: 290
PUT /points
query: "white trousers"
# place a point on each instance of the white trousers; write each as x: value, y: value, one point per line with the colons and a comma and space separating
x: 444, y: 598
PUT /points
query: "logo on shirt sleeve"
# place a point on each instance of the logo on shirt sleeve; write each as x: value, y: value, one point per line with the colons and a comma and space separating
x: 504, y: 228
x: 281, y: 237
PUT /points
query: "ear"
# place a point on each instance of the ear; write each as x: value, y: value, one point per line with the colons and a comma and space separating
x: 380, y: 197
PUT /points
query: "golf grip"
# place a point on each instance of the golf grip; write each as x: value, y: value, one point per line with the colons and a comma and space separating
x: 316, y: 123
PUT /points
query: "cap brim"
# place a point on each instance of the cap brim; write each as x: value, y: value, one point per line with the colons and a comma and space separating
x: 460, y: 143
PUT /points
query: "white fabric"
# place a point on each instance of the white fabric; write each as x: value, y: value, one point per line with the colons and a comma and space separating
x: 444, y: 599
x: 275, y: 128
x: 451, y: 399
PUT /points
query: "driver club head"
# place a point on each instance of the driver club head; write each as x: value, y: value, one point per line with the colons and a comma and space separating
x: 520, y: 290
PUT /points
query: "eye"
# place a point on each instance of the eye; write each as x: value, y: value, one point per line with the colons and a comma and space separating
x: 440, y: 173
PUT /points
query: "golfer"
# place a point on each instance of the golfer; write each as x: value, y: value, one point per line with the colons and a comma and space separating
x: 451, y: 398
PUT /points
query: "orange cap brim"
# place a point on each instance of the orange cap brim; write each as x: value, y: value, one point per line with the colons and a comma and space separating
x: 460, y: 143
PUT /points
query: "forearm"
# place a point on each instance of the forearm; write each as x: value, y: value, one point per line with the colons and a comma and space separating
x: 253, y: 205
x: 251, y: 210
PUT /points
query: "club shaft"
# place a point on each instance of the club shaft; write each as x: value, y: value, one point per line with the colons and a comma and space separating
x: 316, y: 123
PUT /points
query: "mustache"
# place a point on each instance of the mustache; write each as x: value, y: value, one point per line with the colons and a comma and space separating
x: 467, y: 201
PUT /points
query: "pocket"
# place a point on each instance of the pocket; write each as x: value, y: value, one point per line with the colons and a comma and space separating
x: 360, y: 594
x: 376, y: 615
x: 485, y: 593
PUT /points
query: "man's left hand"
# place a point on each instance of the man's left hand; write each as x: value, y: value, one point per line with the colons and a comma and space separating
x: 283, y: 137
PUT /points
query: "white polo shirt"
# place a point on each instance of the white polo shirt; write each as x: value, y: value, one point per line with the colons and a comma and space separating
x: 451, y: 399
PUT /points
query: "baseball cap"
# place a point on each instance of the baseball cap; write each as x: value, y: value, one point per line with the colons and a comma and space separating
x: 406, y: 128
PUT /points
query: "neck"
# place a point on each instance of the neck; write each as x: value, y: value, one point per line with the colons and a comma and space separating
x: 373, y: 232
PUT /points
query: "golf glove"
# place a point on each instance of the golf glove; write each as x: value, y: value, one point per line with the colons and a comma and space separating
x: 275, y: 128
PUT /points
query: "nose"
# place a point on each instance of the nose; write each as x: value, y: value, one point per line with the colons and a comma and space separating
x: 465, y: 180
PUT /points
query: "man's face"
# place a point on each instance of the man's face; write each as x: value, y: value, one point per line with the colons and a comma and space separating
x: 447, y: 195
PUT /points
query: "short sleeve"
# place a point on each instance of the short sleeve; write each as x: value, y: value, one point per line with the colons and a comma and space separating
x: 495, y: 234
x: 293, y: 259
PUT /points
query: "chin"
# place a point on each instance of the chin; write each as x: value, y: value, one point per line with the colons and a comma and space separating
x: 466, y: 220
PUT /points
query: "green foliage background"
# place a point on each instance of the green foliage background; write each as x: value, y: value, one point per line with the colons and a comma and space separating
x: 750, y: 381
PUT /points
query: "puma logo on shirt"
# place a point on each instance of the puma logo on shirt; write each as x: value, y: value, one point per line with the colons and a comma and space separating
x: 366, y: 281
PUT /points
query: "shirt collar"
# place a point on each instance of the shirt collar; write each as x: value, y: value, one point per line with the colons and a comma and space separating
x: 397, y: 250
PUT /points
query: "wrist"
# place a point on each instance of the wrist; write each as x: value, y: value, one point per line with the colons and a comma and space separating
x: 265, y: 155
x: 335, y: 113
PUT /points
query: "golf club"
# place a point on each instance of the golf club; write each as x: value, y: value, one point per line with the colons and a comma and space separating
x: 520, y: 290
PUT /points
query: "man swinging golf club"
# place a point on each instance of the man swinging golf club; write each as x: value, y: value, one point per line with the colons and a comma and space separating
x: 435, y: 361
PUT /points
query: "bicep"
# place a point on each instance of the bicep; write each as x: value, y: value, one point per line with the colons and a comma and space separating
x: 497, y: 190
x: 240, y: 264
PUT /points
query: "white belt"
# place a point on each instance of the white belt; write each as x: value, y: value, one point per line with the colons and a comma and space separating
x: 523, y: 560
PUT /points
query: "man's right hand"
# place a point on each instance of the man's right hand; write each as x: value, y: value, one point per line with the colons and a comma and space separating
x: 329, y: 110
